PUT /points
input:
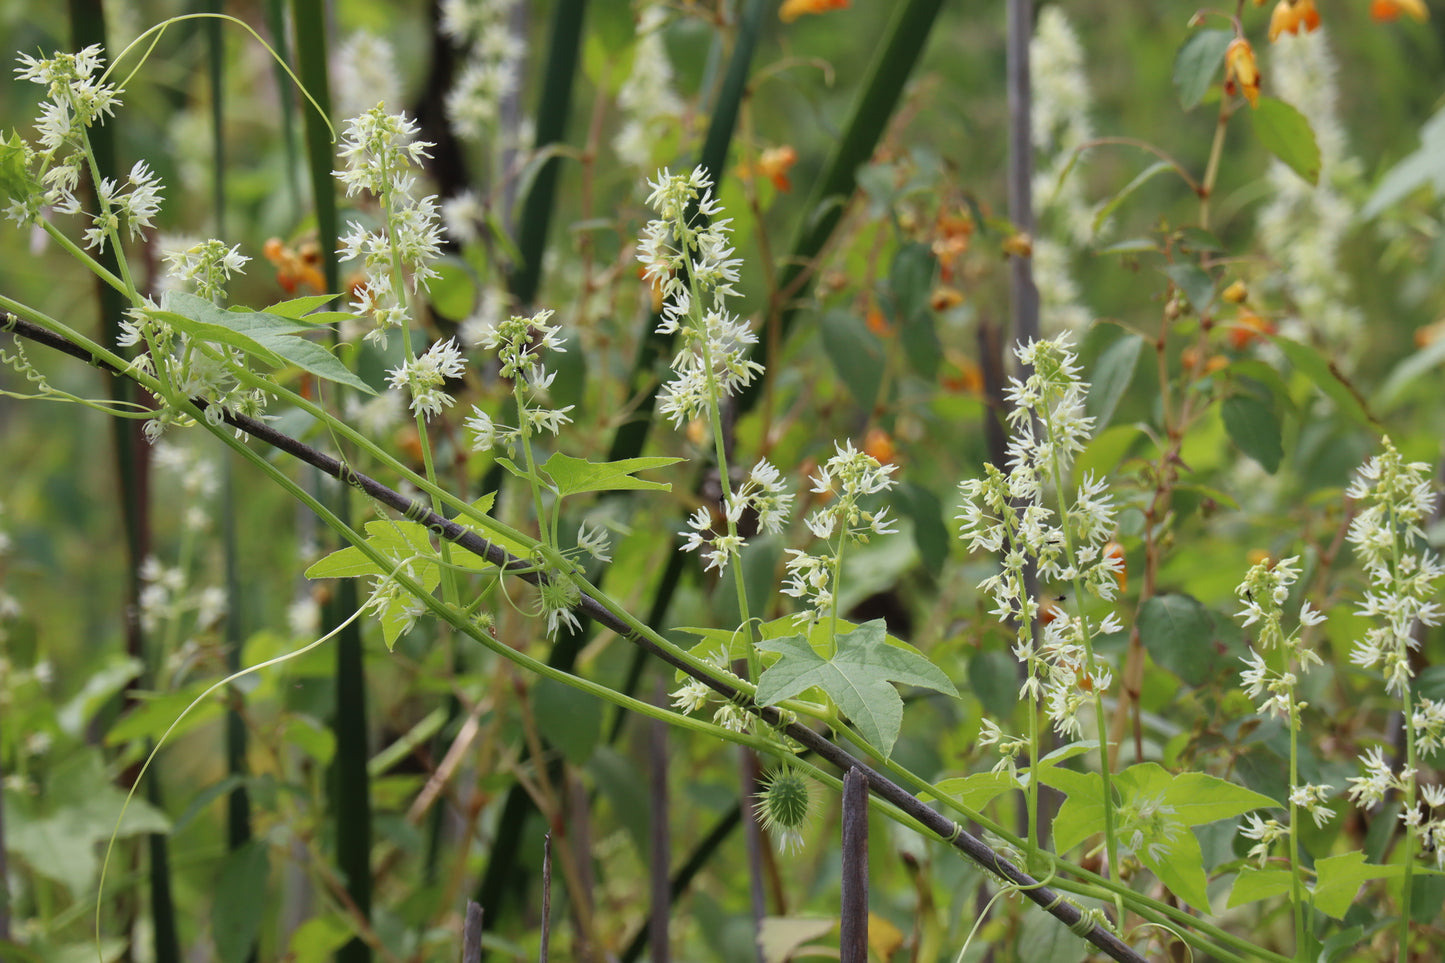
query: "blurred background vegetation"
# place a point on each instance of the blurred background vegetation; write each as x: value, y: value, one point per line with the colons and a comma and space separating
x: 944, y: 156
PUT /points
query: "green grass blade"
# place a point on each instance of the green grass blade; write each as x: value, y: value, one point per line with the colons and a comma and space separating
x: 900, y: 51
x: 553, y: 110
x: 350, y: 784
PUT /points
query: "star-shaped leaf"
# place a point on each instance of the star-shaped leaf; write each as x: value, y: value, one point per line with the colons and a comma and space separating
x: 857, y: 677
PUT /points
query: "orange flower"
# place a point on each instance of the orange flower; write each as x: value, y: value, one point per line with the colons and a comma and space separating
x: 1290, y: 15
x: 1240, y: 69
x: 1386, y: 10
x: 877, y: 323
x: 774, y: 165
x: 968, y: 376
x: 879, y: 444
x: 1019, y: 245
x: 945, y: 297
x: 793, y: 9
x: 295, y: 267
x: 1248, y: 327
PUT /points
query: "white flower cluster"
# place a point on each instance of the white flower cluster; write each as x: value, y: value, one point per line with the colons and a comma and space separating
x: 75, y: 99
x: 425, y: 377
x: 647, y: 100
x: 1265, y: 589
x: 696, y: 270
x: 379, y: 150
x: 1303, y: 224
x: 363, y: 73
x: 204, y: 267
x: 1060, y: 118
x: 1388, y: 537
x: 763, y: 492
x: 1005, y: 514
x: 846, y: 481
x: 195, y: 369
x: 519, y: 342
x: 492, y: 70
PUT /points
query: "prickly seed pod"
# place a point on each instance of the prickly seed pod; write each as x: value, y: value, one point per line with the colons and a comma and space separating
x: 784, y: 805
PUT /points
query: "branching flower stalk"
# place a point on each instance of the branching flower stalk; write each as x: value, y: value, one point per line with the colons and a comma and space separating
x: 378, y: 151
x: 1006, y: 514
x: 1264, y: 591
x: 1388, y: 539
x: 695, y: 269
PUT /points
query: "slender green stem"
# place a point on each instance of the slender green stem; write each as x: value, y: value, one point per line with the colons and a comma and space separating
x: 1297, y: 898
x: 1106, y: 768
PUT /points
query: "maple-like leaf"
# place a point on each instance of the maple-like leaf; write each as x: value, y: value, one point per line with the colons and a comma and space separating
x: 858, y: 677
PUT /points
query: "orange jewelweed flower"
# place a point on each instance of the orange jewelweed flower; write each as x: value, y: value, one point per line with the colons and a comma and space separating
x: 944, y: 297
x: 1247, y: 328
x: 775, y: 163
x: 793, y: 9
x: 1290, y: 15
x: 877, y: 323
x: 1240, y: 68
x: 1383, y: 11
x: 879, y: 444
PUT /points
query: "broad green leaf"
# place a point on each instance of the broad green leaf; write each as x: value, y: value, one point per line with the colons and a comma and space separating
x: 975, y: 791
x: 60, y: 834
x: 1325, y: 377
x: 1255, y: 430
x: 616, y: 777
x: 1178, y: 631
x: 1424, y: 166
x: 857, y: 678
x: 780, y: 937
x: 1198, y: 286
x: 268, y: 337
x: 318, y: 938
x: 297, y: 308
x: 16, y: 180
x: 1196, y: 64
x: 1284, y: 132
x: 1194, y: 238
x: 1108, y: 448
x: 101, y: 684
x: 568, y: 718
x: 1409, y: 371
x: 856, y: 353
x: 1338, y: 879
x: 1140, y: 179
x: 930, y: 533
x: 1159, y: 809
x: 1042, y: 937
x: 1255, y: 884
x: 1082, y: 812
x: 993, y: 679
x: 911, y: 280
x: 572, y: 476
x: 1112, y: 375
x: 395, y: 540
x: 1179, y: 863
x: 453, y: 292
x: 239, y: 905
x: 154, y: 713
x: 1200, y: 798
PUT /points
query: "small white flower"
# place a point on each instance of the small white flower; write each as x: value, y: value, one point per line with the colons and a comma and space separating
x: 425, y: 376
